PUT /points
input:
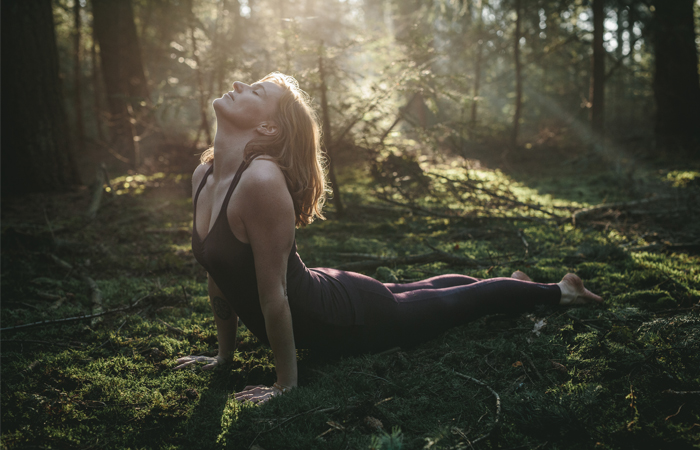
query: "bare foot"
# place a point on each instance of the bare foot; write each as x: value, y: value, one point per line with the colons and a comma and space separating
x: 573, y: 292
x: 522, y: 276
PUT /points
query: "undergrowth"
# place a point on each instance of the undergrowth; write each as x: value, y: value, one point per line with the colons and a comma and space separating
x: 609, y: 376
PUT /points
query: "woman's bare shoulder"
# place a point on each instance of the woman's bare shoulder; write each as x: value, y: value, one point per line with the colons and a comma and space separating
x: 263, y: 186
x: 198, y: 175
x: 263, y: 172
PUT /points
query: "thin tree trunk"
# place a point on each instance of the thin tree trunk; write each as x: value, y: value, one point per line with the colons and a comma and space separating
x: 477, y: 64
x: 676, y: 84
x: 96, y: 88
x: 200, y: 86
x: 78, y: 98
x: 597, y: 92
x: 36, y: 150
x: 327, y: 137
x: 518, y: 75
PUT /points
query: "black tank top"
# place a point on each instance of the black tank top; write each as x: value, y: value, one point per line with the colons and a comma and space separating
x: 318, y: 298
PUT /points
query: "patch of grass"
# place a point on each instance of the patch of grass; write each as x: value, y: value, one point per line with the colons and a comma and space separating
x: 590, y: 377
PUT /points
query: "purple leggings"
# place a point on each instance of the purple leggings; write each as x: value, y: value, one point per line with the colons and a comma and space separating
x: 411, y: 313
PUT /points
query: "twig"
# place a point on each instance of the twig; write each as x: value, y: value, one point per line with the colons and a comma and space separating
x: 74, y: 319
x: 677, y: 412
x: 170, y: 327
x: 498, y: 403
x: 577, y: 215
x: 669, y: 391
x: 493, y: 194
x: 532, y: 365
x: 390, y: 351
x: 26, y: 341
x: 429, y: 212
x: 313, y: 410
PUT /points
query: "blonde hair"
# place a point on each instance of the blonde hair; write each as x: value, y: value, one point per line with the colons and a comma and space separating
x: 296, y: 149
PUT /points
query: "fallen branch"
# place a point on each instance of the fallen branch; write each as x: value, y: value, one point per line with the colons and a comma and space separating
x: 491, y: 193
x: 170, y: 327
x: 581, y: 213
x: 669, y: 391
x: 433, y: 213
x: 498, y: 403
x: 74, y: 319
x: 434, y: 256
x: 25, y: 341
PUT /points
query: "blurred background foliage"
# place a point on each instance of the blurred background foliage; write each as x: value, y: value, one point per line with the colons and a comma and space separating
x: 452, y: 77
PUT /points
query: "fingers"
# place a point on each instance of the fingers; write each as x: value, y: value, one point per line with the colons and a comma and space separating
x: 189, y: 360
x: 255, y: 394
x: 211, y: 365
x: 182, y: 366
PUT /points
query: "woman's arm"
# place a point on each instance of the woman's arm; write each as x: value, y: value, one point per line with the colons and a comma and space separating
x: 267, y: 212
x: 226, y: 321
x: 226, y: 326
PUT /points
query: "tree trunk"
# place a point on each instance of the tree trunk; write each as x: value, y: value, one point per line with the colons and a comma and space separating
x: 518, y: 76
x: 676, y: 85
x: 203, y: 96
x: 477, y: 63
x: 96, y: 88
x: 327, y: 137
x: 36, y: 151
x: 123, y: 74
x: 597, y: 92
x: 77, y: 76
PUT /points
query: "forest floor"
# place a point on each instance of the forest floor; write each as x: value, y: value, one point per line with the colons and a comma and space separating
x: 623, y: 374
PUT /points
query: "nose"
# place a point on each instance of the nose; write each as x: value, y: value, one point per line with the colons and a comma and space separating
x: 238, y: 86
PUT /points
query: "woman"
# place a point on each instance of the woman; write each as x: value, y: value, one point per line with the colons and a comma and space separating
x: 263, y: 178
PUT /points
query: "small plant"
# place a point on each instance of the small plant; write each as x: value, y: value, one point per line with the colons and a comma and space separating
x: 386, y: 441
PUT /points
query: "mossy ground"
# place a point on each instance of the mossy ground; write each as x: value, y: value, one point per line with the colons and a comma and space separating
x: 591, y: 377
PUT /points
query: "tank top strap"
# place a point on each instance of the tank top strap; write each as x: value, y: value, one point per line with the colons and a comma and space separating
x: 244, y: 165
x: 201, y: 185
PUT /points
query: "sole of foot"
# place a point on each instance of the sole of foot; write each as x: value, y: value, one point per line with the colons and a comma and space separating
x: 522, y: 276
x: 574, y: 293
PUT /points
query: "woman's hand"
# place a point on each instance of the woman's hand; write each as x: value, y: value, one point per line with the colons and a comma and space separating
x: 208, y: 361
x: 257, y: 394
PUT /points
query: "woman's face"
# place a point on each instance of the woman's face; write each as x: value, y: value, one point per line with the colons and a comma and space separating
x: 247, y: 106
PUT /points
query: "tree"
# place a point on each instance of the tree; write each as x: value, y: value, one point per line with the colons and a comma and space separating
x: 597, y: 92
x: 123, y: 74
x: 518, y: 75
x: 327, y: 137
x: 36, y: 152
x: 676, y: 85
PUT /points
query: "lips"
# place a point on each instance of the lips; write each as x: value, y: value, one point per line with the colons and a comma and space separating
x: 230, y: 94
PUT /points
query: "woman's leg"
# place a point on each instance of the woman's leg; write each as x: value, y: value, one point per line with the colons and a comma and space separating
x: 426, y: 313
x: 438, y: 282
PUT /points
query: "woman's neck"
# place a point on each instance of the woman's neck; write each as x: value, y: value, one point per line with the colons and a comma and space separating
x: 229, y: 150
